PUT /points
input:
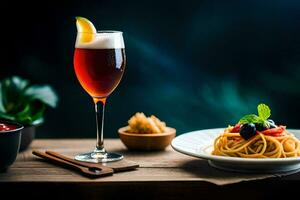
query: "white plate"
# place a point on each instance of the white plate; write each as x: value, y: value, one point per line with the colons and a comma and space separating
x: 200, y: 144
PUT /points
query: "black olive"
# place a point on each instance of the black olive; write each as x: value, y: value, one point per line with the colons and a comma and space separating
x: 260, y: 127
x: 247, y: 131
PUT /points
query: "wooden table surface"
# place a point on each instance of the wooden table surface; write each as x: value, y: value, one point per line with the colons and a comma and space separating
x: 162, y: 175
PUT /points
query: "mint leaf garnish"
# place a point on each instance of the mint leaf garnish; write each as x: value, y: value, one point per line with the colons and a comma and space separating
x: 264, y: 111
x: 252, y: 118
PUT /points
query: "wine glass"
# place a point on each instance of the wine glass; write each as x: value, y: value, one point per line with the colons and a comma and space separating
x: 99, y: 66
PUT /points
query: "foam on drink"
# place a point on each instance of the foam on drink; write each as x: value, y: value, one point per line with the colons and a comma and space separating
x: 102, y: 40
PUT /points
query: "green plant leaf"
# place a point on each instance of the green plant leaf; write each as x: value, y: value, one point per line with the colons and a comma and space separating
x: 38, y: 121
x: 264, y: 111
x: 2, y: 108
x: 252, y: 118
x: 19, y: 83
x: 6, y: 116
x: 12, y: 92
x: 23, y: 103
x: 32, y: 113
x: 37, y: 111
x: 44, y: 94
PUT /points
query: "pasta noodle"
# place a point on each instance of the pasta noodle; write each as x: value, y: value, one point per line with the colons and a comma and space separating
x: 259, y: 146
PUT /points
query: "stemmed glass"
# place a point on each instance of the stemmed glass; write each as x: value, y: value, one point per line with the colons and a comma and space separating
x: 99, y: 66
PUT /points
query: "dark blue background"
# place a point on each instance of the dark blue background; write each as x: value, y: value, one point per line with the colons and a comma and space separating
x: 194, y: 64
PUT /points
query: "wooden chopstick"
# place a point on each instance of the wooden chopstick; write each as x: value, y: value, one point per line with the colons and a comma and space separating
x: 87, y: 171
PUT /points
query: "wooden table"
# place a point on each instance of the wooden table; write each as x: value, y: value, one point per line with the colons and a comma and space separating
x: 162, y: 175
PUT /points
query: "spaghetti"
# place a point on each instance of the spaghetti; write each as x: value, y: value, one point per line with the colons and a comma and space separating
x: 262, y: 145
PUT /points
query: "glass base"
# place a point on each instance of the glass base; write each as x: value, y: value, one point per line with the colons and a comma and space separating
x: 95, y: 157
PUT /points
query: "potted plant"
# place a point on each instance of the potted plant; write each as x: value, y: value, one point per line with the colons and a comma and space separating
x: 26, y: 104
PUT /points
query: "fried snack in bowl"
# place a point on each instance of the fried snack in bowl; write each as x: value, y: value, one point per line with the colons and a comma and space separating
x: 146, y: 133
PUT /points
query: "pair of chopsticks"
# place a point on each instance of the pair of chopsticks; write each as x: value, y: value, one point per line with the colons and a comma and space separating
x: 88, y: 169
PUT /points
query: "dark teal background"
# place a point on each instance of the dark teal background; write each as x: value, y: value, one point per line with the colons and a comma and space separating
x: 194, y: 64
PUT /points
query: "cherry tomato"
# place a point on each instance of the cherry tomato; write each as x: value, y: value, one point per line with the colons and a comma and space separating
x: 236, y: 128
x: 278, y: 131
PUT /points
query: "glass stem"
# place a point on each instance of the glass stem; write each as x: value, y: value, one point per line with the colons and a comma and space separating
x: 100, y: 108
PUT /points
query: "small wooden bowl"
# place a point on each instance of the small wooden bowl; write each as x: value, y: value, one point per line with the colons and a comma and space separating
x: 146, y: 142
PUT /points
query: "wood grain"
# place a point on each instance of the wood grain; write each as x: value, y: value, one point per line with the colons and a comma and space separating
x: 162, y: 174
